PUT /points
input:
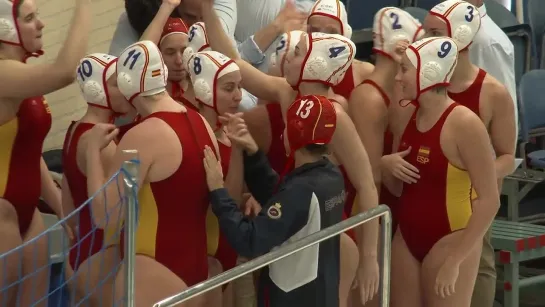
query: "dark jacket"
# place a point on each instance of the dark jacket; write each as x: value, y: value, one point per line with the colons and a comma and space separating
x: 310, y: 198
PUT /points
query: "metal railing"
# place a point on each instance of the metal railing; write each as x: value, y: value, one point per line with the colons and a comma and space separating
x: 289, y: 249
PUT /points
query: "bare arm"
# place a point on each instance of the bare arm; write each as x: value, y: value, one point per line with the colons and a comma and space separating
x: 351, y: 153
x: 256, y: 82
x: 503, y: 132
x: 474, y: 149
x: 370, y: 116
x: 49, y: 77
x: 155, y: 29
x: 104, y: 206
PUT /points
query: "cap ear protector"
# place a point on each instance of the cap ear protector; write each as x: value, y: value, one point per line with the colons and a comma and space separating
x: 333, y: 9
x: 9, y: 27
x: 92, y: 76
x: 462, y: 18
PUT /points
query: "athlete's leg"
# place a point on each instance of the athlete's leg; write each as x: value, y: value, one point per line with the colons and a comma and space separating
x: 244, y: 288
x: 406, y: 289
x: 485, y: 285
x: 35, y: 264
x: 214, y: 297
x: 349, y: 264
x: 10, y: 239
x: 153, y: 282
x: 94, y: 279
x: 466, y: 278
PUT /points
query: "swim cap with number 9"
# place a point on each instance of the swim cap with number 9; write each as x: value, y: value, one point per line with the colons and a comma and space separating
x: 328, y: 58
x: 462, y: 18
x: 392, y: 25
x: 141, y: 71
x: 434, y: 59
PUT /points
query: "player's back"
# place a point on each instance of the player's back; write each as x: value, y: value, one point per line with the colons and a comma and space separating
x: 173, y: 210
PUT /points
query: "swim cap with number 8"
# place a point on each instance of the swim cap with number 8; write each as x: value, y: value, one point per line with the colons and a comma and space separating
x: 434, y: 59
x: 462, y: 20
x: 196, y: 42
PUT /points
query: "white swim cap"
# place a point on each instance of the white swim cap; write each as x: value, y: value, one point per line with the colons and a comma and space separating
x: 197, y: 41
x: 92, y: 74
x: 9, y: 28
x: 328, y: 58
x: 141, y: 71
x: 333, y: 9
x: 205, y: 68
x: 392, y: 25
x: 463, y: 20
x: 434, y: 59
x: 287, y: 44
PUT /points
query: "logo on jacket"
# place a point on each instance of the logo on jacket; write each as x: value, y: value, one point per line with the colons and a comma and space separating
x: 423, y: 156
x: 274, y: 211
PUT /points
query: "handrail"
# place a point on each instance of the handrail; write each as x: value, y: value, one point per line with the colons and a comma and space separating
x: 289, y: 249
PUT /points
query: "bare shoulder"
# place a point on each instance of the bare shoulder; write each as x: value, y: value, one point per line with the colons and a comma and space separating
x: 149, y: 130
x: 495, y: 90
x: 464, y: 120
x: 363, y: 69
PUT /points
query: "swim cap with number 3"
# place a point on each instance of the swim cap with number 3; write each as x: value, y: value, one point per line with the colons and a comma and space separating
x: 327, y: 59
x: 141, y: 71
x: 462, y: 18
x: 434, y: 59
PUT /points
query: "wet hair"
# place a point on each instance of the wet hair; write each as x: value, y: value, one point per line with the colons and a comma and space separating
x: 141, y: 12
x: 316, y: 149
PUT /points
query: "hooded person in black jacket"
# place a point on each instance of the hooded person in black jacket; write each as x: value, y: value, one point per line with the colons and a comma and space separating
x: 307, y: 199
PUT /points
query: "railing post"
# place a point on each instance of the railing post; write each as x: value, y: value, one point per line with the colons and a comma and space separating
x: 130, y: 180
x: 386, y: 238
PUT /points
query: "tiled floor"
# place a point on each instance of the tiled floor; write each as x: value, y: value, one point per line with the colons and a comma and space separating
x: 67, y: 104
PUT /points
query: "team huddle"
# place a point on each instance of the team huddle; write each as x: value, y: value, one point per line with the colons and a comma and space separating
x: 423, y: 130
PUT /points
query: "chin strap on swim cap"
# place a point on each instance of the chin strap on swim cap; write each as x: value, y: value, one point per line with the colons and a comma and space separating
x: 141, y: 71
x: 285, y: 46
x: 9, y: 28
x: 327, y: 59
x: 197, y: 41
x: 205, y: 68
x: 173, y: 26
x: 434, y: 59
x: 309, y: 120
x: 392, y: 25
x: 462, y: 18
x: 333, y: 9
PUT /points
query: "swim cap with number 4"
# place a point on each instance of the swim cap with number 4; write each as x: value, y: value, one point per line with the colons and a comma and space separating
x: 327, y: 59
x: 392, y: 25
x: 92, y: 74
x: 310, y: 120
x: 141, y: 71
x: 434, y: 59
x: 462, y: 18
